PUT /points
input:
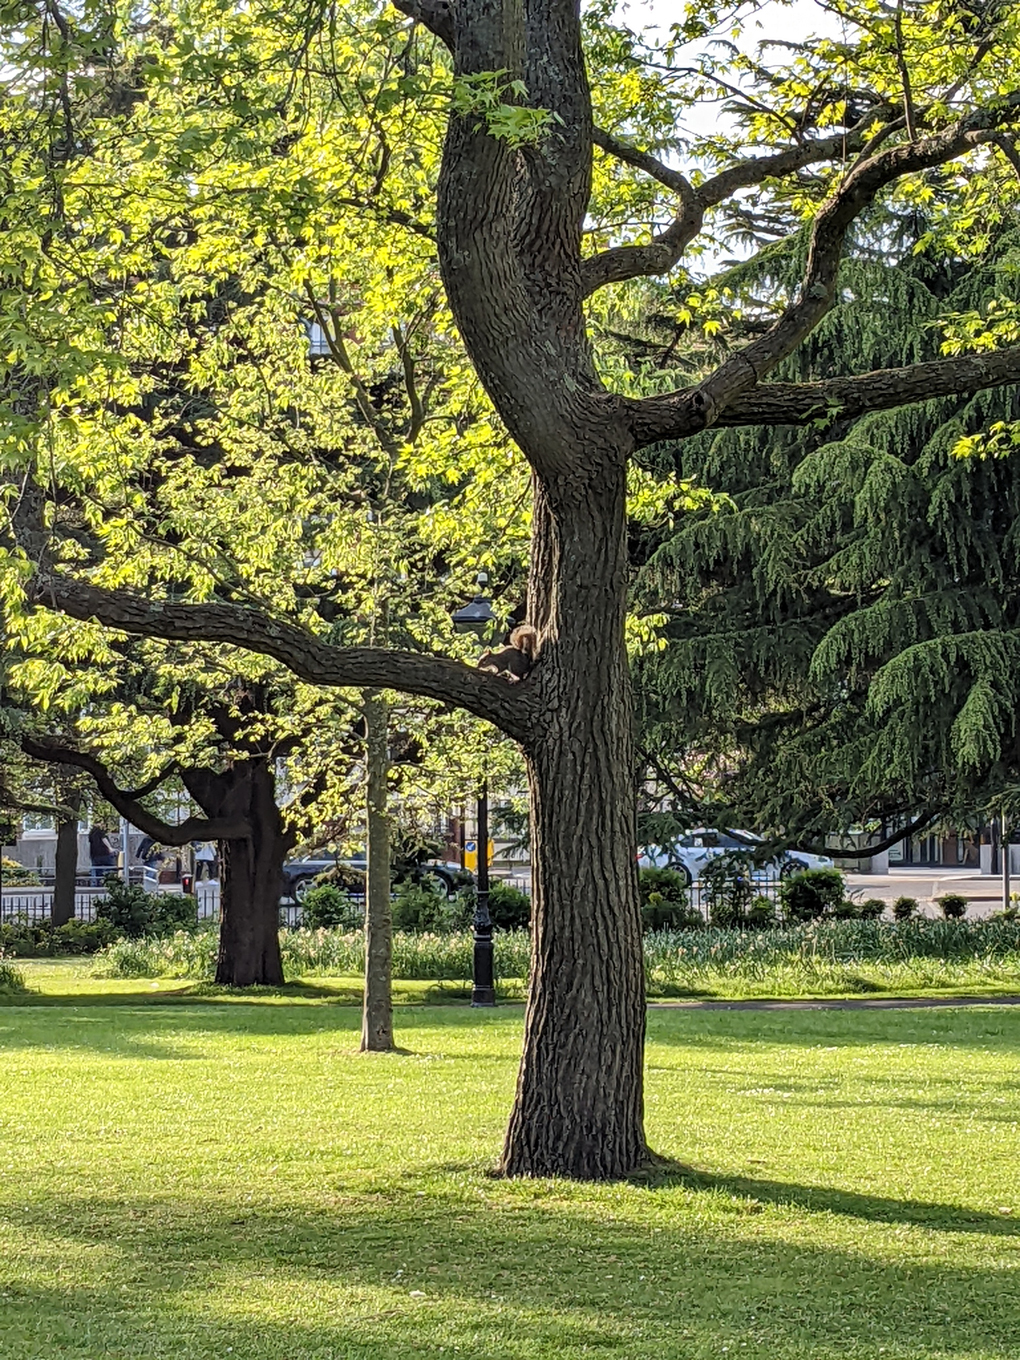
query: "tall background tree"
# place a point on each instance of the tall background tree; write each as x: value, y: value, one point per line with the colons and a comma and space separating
x: 841, y: 634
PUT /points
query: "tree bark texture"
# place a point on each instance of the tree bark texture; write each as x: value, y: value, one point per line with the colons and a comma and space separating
x: 66, y: 867
x: 510, y: 227
x: 251, y: 881
x: 579, y: 1106
x: 377, y: 1015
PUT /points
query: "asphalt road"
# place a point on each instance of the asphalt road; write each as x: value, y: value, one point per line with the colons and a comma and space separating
x: 984, y: 892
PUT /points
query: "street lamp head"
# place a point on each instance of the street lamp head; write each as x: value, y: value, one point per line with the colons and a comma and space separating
x: 476, y: 617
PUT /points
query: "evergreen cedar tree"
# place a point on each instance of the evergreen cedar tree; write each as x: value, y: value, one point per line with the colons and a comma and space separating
x: 510, y: 220
x: 842, y: 638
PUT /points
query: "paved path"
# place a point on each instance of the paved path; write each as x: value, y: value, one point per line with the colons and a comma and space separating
x: 864, y: 1003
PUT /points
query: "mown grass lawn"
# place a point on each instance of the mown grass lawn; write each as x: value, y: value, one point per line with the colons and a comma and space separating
x: 203, y: 1180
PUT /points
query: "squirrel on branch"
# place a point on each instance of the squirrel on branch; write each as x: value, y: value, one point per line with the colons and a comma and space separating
x: 513, y: 662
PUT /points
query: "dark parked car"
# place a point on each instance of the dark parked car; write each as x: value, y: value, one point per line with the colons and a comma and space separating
x: 301, y: 874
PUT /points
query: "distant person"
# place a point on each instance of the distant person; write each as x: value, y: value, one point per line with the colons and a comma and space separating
x: 101, y: 853
x: 149, y: 851
x: 206, y: 864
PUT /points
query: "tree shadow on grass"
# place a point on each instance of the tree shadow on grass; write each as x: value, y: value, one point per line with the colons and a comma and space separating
x: 666, y: 1174
x: 133, y: 1026
x: 534, y: 1272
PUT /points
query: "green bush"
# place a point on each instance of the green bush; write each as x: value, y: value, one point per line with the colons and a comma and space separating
x: 871, y: 909
x: 666, y: 885
x: 846, y: 910
x: 82, y: 937
x: 420, y: 908
x: 904, y: 908
x: 38, y: 940
x: 329, y: 908
x: 954, y: 906
x: 810, y: 895
x: 509, y: 908
x: 15, y: 875
x: 665, y: 904
x: 132, y: 912
x: 761, y: 914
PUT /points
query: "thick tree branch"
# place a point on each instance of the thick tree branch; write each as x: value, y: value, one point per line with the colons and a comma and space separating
x: 507, y: 707
x: 703, y: 405
x: 660, y: 254
x: 655, y: 419
x: 666, y: 249
x: 643, y: 160
x: 191, y: 829
x: 438, y: 16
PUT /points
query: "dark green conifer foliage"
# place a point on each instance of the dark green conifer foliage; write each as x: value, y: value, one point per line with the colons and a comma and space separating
x: 845, y: 639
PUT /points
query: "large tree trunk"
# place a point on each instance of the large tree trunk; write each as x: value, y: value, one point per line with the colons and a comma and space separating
x: 377, y: 1017
x: 66, y: 867
x: 579, y: 1106
x: 251, y: 880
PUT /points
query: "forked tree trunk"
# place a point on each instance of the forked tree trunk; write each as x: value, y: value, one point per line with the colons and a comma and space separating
x: 251, y: 880
x: 579, y: 1105
x: 377, y: 1016
x: 66, y: 867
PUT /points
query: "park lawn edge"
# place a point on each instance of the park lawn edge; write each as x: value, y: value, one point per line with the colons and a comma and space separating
x: 64, y: 981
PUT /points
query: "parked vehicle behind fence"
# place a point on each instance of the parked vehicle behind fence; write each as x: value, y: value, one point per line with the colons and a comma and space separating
x: 691, y: 852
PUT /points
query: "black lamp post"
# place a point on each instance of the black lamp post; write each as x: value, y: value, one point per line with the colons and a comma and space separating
x: 477, y: 617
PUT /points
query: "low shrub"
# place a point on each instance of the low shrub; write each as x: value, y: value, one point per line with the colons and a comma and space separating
x: 810, y: 895
x: 132, y: 912
x: 12, y: 980
x: 661, y: 885
x: 419, y: 908
x: 846, y: 911
x: 665, y: 903
x: 671, y: 916
x: 327, y: 907
x: 39, y: 940
x: 82, y: 937
x: 761, y: 914
x: 871, y: 909
x: 509, y: 908
x: 953, y: 905
x: 15, y: 875
x: 904, y: 908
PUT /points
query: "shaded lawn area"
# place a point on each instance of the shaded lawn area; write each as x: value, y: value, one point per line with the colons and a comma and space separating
x: 199, y: 1180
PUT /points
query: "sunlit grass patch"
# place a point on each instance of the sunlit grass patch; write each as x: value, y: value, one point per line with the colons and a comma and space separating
x: 196, y: 1180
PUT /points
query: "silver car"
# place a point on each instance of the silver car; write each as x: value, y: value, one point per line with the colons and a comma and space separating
x: 691, y: 852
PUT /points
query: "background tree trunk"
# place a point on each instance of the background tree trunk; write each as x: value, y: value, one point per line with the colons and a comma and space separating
x: 377, y: 1018
x: 251, y: 880
x: 579, y: 1106
x: 66, y: 867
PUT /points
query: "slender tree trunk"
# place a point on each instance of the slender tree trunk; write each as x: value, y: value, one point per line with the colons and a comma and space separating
x: 251, y: 880
x: 377, y: 1020
x: 66, y: 867
x: 579, y: 1106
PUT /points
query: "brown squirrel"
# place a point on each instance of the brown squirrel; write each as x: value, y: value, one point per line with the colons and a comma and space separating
x: 513, y: 662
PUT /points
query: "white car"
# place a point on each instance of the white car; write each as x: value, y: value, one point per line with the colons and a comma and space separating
x: 691, y: 852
